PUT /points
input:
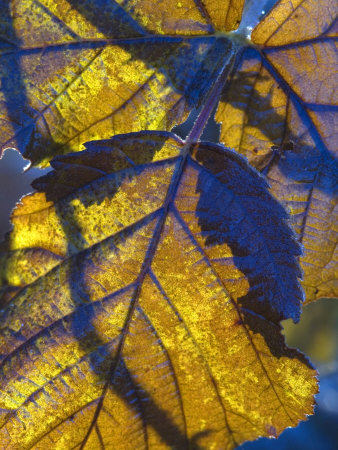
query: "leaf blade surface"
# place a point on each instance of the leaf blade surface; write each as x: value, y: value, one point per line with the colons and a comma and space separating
x: 77, y: 71
x: 281, y: 112
x: 166, y: 283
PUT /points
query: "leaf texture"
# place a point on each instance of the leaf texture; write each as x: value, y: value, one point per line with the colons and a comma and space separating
x: 154, y: 321
x: 73, y: 71
x: 280, y: 111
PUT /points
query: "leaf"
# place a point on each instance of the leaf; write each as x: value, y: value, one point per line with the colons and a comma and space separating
x: 154, y: 320
x: 73, y: 70
x: 279, y: 110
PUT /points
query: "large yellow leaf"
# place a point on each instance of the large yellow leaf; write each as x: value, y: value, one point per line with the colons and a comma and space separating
x: 72, y: 71
x: 280, y: 111
x: 147, y: 314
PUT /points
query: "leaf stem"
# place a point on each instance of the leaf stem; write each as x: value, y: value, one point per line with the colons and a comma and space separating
x: 194, y: 135
x: 212, y: 98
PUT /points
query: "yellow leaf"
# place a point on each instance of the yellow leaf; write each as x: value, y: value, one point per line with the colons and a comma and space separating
x: 154, y: 321
x: 296, y: 21
x: 73, y: 71
x: 280, y: 111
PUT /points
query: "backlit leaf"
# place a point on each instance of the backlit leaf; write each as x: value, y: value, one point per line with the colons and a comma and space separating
x: 280, y: 111
x: 146, y: 315
x: 72, y: 71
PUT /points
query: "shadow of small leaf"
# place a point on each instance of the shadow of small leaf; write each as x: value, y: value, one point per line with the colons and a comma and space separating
x: 249, y: 223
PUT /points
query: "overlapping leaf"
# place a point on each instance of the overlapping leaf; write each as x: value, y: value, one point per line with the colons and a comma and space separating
x: 72, y: 71
x: 154, y: 320
x: 280, y: 111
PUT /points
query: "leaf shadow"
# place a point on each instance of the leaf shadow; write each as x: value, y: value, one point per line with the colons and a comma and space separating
x: 176, y: 62
x: 34, y: 143
x: 262, y: 305
x: 217, y: 228
x: 11, y: 80
x: 194, y: 89
x: 117, y: 376
x: 255, y: 311
x: 298, y: 156
x: 22, y: 117
x: 285, y: 146
x: 18, y: 109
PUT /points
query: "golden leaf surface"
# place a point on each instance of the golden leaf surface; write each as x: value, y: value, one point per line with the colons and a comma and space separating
x: 73, y: 71
x: 147, y: 314
x: 280, y: 111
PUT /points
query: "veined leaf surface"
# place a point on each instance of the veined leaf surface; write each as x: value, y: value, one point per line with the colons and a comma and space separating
x: 73, y: 71
x: 280, y: 110
x: 154, y: 322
